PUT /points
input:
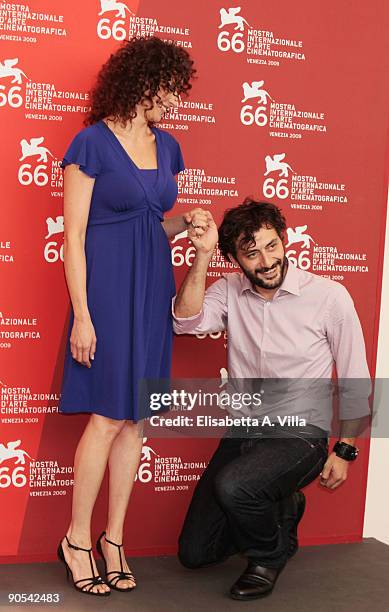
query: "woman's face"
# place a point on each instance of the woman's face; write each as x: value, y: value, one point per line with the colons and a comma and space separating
x: 162, y: 103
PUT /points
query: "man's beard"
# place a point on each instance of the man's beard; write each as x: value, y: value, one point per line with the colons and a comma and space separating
x: 281, y: 265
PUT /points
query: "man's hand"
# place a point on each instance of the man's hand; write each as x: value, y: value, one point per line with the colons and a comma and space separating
x: 202, y: 232
x: 334, y: 472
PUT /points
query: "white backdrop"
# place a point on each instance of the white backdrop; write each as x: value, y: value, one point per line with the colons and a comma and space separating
x: 376, y: 523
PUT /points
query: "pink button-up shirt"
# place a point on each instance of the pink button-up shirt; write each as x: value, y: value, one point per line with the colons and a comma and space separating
x: 308, y: 326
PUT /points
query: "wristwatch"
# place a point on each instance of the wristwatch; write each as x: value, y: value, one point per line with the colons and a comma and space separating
x: 345, y: 451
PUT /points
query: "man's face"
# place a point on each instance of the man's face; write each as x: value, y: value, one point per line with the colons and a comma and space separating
x: 263, y: 263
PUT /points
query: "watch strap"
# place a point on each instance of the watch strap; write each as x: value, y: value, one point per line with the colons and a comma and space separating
x: 345, y: 451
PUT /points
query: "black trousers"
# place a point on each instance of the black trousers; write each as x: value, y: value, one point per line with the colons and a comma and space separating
x: 237, y: 503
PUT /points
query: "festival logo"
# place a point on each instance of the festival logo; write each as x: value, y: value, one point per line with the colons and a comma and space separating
x: 120, y: 21
x: 18, y: 328
x: 13, y: 474
x: 227, y: 41
x: 184, y: 253
x: 255, y: 113
x: 305, y: 191
x: 10, y: 87
x: 18, y: 23
x: 198, y: 187
x: 321, y: 259
x: 113, y: 22
x: 180, y: 236
x: 43, y: 477
x: 20, y: 404
x: 276, y: 164
x: 34, y: 148
x: 254, y: 90
x: 188, y: 113
x: 41, y: 168
x: 11, y: 451
x: 258, y: 44
x: 53, y: 251
x: 231, y: 17
x: 168, y: 473
x: 146, y: 468
x: 9, y: 69
x: 33, y: 172
x: 261, y: 108
x: 219, y: 265
x: 42, y: 101
x: 299, y: 257
x: 295, y: 236
x: 120, y: 9
x: 54, y: 226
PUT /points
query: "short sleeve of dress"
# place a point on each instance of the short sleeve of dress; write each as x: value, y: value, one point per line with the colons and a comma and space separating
x: 83, y: 152
x: 176, y: 159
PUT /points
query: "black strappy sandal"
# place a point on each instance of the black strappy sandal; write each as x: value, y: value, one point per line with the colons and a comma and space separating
x: 91, y: 582
x: 120, y: 575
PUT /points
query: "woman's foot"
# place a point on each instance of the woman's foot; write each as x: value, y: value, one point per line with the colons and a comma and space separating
x: 112, y: 554
x: 79, y: 562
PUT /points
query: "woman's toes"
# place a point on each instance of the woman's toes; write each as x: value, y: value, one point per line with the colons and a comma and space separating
x: 126, y: 584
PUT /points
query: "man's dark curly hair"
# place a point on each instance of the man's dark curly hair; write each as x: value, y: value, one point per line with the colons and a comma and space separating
x: 240, y: 224
x: 140, y: 65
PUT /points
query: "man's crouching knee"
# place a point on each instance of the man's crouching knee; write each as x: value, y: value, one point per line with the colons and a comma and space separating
x: 190, y: 555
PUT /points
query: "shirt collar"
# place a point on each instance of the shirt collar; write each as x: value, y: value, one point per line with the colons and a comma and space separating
x: 290, y: 283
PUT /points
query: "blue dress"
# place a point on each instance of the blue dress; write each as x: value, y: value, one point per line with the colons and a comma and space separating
x: 129, y: 279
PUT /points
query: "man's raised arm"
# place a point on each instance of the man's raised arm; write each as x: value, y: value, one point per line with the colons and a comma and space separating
x: 194, y: 309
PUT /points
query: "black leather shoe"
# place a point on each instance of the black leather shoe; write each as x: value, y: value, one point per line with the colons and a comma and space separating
x: 292, y: 517
x: 255, y: 582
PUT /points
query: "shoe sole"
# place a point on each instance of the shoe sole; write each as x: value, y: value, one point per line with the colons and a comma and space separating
x: 250, y: 598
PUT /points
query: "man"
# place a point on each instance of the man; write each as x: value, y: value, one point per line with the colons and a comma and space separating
x: 284, y: 324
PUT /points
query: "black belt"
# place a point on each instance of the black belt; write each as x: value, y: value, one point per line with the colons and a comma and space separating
x: 267, y: 431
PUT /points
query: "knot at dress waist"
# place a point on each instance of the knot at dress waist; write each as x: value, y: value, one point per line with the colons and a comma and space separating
x: 124, y: 216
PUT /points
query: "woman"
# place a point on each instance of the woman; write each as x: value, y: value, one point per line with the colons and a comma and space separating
x: 118, y: 182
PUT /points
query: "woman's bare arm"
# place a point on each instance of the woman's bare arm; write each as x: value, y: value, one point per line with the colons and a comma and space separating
x: 174, y: 226
x: 78, y: 189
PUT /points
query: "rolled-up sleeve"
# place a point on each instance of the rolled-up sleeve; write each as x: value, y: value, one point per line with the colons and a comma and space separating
x: 344, y: 333
x: 211, y: 318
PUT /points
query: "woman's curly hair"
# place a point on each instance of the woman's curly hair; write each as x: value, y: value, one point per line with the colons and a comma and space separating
x: 140, y: 65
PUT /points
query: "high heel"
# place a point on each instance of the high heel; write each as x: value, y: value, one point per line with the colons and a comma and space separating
x: 122, y: 575
x: 91, y: 582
